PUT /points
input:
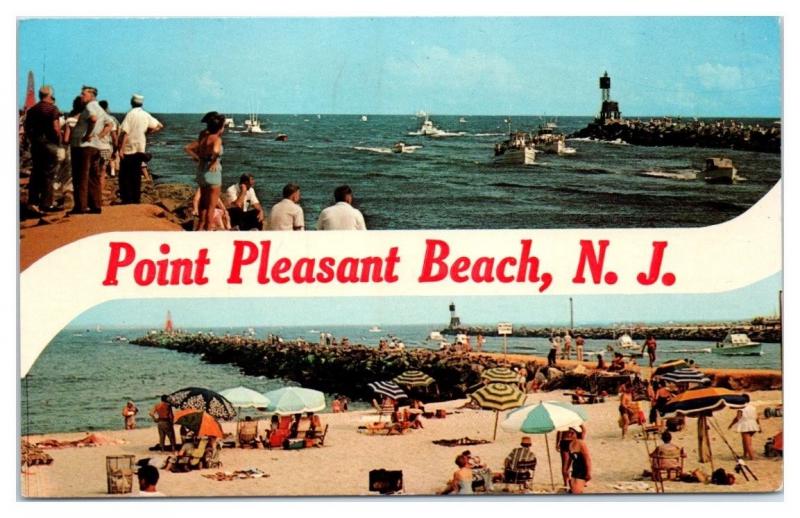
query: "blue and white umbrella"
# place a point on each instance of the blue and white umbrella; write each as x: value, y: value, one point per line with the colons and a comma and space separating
x: 686, y: 375
x: 389, y: 389
x: 543, y: 418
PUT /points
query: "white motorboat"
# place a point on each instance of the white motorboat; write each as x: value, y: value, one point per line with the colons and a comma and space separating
x: 230, y: 123
x: 547, y: 140
x: 626, y: 342
x: 738, y: 344
x: 720, y: 170
x: 436, y: 336
x: 429, y: 130
x: 364, y: 118
x: 399, y: 147
x: 462, y: 120
x: 375, y: 329
x: 517, y: 150
x: 253, y: 125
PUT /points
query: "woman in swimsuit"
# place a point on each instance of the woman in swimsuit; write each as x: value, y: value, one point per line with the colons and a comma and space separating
x: 580, y: 461
x: 563, y: 440
x: 206, y: 151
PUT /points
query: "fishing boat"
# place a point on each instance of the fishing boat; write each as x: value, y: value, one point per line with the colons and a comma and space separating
x: 253, y: 125
x: 282, y: 137
x: 229, y: 122
x: 375, y: 329
x: 738, y: 344
x: 720, y: 171
x: 548, y: 140
x: 429, y: 130
x: 399, y: 147
x: 462, y: 120
x: 435, y: 336
x: 517, y: 150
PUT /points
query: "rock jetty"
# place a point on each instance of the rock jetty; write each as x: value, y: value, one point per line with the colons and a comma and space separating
x: 347, y: 369
x: 765, y: 333
x: 720, y: 134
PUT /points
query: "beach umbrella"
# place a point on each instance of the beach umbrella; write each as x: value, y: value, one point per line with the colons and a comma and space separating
x: 702, y: 403
x: 498, y: 397
x: 199, y: 422
x: 389, y: 389
x: 500, y: 375
x: 202, y: 399
x: 685, y: 375
x: 670, y: 366
x: 414, y: 378
x: 295, y: 400
x: 245, y: 397
x: 544, y: 418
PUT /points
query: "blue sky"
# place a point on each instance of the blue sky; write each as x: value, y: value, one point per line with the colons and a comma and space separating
x: 760, y: 299
x: 460, y: 66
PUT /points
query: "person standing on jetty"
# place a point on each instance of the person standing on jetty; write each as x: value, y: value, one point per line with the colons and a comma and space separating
x: 89, y: 134
x: 650, y: 345
x: 132, y: 144
x: 207, y: 151
x: 244, y: 209
x: 567, y: 345
x: 43, y: 131
x: 579, y: 342
x: 287, y: 214
x: 342, y: 215
x: 162, y: 414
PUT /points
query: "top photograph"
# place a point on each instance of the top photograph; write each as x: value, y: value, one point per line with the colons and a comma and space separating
x: 395, y: 123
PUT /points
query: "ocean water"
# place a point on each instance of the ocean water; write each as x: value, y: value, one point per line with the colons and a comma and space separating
x: 84, y: 377
x: 449, y: 183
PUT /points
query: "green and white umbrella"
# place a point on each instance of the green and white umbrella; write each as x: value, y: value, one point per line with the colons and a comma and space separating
x: 295, y: 400
x: 544, y: 418
x: 500, y: 375
x: 414, y: 378
x: 245, y: 397
x: 498, y: 397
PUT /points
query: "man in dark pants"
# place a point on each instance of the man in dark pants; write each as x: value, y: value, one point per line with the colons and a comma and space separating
x: 43, y: 130
x: 92, y: 127
x: 132, y: 143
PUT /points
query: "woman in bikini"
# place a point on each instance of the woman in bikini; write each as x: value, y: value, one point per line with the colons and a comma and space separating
x: 206, y: 151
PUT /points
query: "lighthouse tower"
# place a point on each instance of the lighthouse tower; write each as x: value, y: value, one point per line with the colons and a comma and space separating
x: 609, y: 110
x: 454, y: 320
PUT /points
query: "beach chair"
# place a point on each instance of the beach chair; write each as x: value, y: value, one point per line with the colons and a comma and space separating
x: 193, y: 459
x: 303, y: 427
x: 247, y: 433
x: 522, y: 476
x: 667, y: 466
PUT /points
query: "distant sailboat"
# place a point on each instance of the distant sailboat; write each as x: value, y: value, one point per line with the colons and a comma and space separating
x: 168, y: 327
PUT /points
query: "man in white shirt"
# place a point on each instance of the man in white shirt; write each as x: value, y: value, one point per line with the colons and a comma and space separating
x: 287, y: 214
x: 342, y: 215
x: 94, y: 124
x: 148, y: 478
x: 244, y: 208
x: 132, y: 143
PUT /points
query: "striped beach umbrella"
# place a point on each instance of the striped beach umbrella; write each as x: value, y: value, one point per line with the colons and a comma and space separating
x: 389, y: 389
x: 700, y: 402
x: 543, y: 418
x: 498, y: 397
x: 670, y: 366
x: 685, y: 375
x: 414, y: 378
x: 295, y: 400
x: 500, y: 375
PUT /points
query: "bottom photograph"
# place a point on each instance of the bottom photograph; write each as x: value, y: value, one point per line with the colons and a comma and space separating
x: 474, y: 396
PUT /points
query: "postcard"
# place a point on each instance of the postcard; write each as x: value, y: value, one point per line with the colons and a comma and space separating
x: 400, y: 256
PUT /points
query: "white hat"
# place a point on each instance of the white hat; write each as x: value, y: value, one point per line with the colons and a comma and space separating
x: 137, y: 98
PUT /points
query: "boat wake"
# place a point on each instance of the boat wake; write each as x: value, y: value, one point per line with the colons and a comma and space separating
x: 706, y: 350
x: 677, y: 174
x: 615, y: 142
x: 387, y: 150
x: 440, y: 134
x: 488, y: 134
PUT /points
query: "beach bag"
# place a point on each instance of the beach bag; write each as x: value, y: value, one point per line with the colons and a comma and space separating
x: 384, y: 481
x: 722, y: 478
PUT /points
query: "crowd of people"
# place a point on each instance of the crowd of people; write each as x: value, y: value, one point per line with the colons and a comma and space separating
x: 73, y: 153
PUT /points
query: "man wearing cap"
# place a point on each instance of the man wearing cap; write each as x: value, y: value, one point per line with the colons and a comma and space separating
x: 89, y: 134
x: 42, y: 129
x: 132, y: 143
x: 342, y: 215
x: 287, y: 214
x: 521, y: 461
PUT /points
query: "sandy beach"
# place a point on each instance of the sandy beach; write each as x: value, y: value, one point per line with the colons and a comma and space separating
x: 342, y: 465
